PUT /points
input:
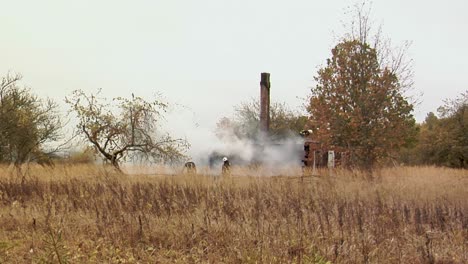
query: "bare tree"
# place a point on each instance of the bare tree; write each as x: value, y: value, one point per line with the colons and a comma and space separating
x: 394, y: 58
x: 125, y: 129
x: 245, y: 124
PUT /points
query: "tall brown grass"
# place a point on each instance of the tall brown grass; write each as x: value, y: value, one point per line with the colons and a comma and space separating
x: 89, y: 214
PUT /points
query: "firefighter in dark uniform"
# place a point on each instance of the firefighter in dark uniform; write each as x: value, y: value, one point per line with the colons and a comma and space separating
x: 190, y: 167
x: 226, y: 169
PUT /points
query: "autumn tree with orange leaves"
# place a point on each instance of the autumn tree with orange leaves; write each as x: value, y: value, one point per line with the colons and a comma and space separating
x: 359, y: 102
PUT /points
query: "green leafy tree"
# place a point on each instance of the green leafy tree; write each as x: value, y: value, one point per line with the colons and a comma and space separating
x: 246, y: 122
x: 359, y: 102
x: 431, y: 145
x: 443, y: 140
x: 455, y: 117
x: 28, y: 124
x: 126, y: 129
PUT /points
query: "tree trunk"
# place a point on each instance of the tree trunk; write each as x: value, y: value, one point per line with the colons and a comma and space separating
x: 115, y: 163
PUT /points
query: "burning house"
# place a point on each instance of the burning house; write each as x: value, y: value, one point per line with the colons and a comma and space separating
x: 315, y: 154
x: 264, y: 150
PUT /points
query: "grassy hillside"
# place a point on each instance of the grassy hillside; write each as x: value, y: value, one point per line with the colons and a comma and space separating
x: 87, y: 214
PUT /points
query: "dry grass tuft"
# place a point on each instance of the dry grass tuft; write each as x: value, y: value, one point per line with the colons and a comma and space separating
x: 88, y: 214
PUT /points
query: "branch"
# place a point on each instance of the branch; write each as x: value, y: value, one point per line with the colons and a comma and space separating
x: 96, y: 144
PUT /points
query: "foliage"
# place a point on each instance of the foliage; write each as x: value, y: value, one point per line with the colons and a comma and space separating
x: 443, y: 140
x: 54, y: 248
x: 125, y: 130
x: 246, y: 122
x: 455, y: 121
x: 359, y: 102
x: 84, y: 156
x: 27, y: 123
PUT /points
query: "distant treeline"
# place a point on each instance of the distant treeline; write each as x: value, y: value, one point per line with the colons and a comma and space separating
x: 442, y: 139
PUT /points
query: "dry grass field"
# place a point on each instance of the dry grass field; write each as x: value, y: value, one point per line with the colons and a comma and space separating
x: 88, y: 214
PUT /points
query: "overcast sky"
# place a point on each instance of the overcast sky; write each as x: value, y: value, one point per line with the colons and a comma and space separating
x: 207, y: 55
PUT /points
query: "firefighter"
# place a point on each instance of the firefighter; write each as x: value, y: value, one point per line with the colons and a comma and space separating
x: 226, y: 169
x: 190, y: 167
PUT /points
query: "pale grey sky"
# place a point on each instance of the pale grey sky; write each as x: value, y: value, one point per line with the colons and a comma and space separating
x: 207, y: 55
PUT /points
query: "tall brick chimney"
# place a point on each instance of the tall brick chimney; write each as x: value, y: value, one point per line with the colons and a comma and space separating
x: 265, y: 102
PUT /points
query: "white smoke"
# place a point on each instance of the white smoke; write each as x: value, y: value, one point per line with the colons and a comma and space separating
x: 259, y: 157
x: 247, y: 157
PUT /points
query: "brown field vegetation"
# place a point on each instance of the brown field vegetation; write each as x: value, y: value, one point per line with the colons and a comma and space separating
x: 88, y: 214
